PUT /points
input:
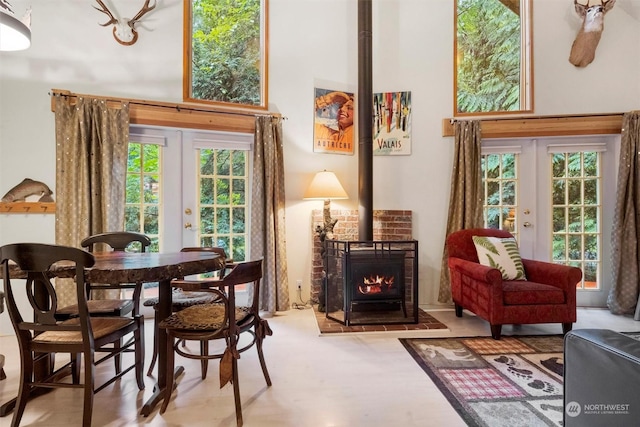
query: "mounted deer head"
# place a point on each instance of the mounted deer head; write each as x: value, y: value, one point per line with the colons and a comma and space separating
x: 584, y: 46
x: 124, y: 33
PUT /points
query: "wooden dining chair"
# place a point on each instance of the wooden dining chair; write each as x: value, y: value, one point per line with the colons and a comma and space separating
x: 222, y: 320
x: 118, y: 241
x: 182, y: 298
x: 82, y: 337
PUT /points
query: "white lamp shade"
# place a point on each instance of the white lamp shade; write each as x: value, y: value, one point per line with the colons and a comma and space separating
x: 325, y: 185
x: 14, y: 34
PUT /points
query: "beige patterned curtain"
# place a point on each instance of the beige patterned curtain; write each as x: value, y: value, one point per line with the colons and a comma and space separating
x: 625, y: 238
x: 91, y: 161
x: 465, y: 201
x: 267, y: 213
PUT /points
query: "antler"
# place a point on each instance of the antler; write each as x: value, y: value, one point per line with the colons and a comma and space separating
x: 118, y: 28
x: 105, y: 9
x: 145, y: 8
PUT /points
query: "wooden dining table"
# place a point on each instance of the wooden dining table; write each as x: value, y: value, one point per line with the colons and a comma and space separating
x: 147, y: 267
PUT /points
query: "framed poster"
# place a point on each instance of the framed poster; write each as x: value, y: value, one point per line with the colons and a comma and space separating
x: 333, y: 122
x: 392, y: 123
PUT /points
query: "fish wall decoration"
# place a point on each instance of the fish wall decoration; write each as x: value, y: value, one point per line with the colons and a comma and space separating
x: 28, y: 187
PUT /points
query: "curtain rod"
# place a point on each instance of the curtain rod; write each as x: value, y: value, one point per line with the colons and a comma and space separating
x: 533, y: 126
x: 520, y: 118
x: 174, y: 106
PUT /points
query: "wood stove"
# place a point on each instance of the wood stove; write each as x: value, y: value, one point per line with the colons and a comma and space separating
x: 374, y: 282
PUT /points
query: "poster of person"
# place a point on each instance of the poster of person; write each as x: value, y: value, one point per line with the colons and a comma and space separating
x: 392, y: 123
x: 333, y: 122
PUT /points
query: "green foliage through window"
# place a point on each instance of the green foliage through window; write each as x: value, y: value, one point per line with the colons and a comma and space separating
x: 223, y: 202
x: 142, y: 196
x: 491, y: 56
x: 576, y: 212
x: 500, y: 182
x: 227, y: 61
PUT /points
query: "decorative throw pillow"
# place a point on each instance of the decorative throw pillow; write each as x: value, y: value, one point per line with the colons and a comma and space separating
x: 500, y: 253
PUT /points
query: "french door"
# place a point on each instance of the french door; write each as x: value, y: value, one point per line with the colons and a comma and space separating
x: 556, y: 195
x: 189, y: 188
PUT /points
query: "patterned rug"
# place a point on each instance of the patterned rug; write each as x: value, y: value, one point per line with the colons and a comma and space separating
x: 425, y: 322
x: 516, y: 381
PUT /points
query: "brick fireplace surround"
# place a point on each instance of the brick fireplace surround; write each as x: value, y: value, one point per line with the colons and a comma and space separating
x: 387, y: 225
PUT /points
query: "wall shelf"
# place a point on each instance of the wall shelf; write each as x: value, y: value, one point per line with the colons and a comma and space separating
x: 27, y: 207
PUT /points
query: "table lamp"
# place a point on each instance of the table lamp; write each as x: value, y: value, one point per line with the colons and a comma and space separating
x: 325, y: 186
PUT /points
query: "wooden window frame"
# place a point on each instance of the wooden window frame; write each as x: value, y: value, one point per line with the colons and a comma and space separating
x: 526, y: 61
x: 177, y: 115
x: 264, y: 60
x: 536, y: 126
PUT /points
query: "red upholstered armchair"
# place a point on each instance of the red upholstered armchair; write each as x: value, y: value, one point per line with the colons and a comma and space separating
x: 547, y: 296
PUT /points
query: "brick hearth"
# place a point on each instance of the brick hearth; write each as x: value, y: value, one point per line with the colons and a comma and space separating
x: 387, y: 225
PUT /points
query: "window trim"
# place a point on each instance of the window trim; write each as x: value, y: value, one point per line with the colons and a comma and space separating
x: 187, y: 60
x: 207, y: 118
x: 545, y: 126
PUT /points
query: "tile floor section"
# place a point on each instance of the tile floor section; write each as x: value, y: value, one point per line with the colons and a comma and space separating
x: 329, y: 326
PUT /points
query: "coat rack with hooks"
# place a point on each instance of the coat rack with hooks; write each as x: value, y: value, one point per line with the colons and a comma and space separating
x: 27, y: 207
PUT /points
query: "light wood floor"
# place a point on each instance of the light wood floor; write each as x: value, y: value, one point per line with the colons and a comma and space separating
x: 318, y: 381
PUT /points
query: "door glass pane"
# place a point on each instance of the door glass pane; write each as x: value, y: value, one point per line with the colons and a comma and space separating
x: 576, y: 213
x: 500, y: 191
x: 222, y: 206
x: 143, y: 192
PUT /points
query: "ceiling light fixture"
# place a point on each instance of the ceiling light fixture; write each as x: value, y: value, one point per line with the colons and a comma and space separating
x: 15, y: 34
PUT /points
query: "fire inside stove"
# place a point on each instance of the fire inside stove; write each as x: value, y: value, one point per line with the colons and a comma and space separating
x: 377, y: 285
x: 376, y: 278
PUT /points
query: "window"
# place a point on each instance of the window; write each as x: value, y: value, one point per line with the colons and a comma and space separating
x: 499, y: 179
x: 142, y: 199
x: 577, y: 210
x: 223, y: 182
x: 492, y: 57
x: 225, y: 54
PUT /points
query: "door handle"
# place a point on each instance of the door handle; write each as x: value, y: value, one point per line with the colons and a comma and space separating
x: 527, y: 224
x: 187, y: 225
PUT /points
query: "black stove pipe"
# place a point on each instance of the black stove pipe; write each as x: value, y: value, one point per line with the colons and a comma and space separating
x: 365, y: 121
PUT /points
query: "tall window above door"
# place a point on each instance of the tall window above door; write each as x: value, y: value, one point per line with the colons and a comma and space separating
x: 492, y: 57
x: 225, y: 52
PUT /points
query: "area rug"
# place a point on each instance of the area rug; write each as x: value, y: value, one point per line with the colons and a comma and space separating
x: 516, y: 381
x: 425, y: 322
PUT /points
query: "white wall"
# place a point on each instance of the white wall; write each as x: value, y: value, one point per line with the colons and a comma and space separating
x: 312, y: 42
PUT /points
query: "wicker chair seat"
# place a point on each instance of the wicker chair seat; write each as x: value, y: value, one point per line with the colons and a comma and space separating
x: 180, y: 299
x: 203, y: 317
x: 101, y: 326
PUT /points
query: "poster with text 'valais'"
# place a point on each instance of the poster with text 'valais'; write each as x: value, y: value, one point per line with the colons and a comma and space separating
x: 392, y: 123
